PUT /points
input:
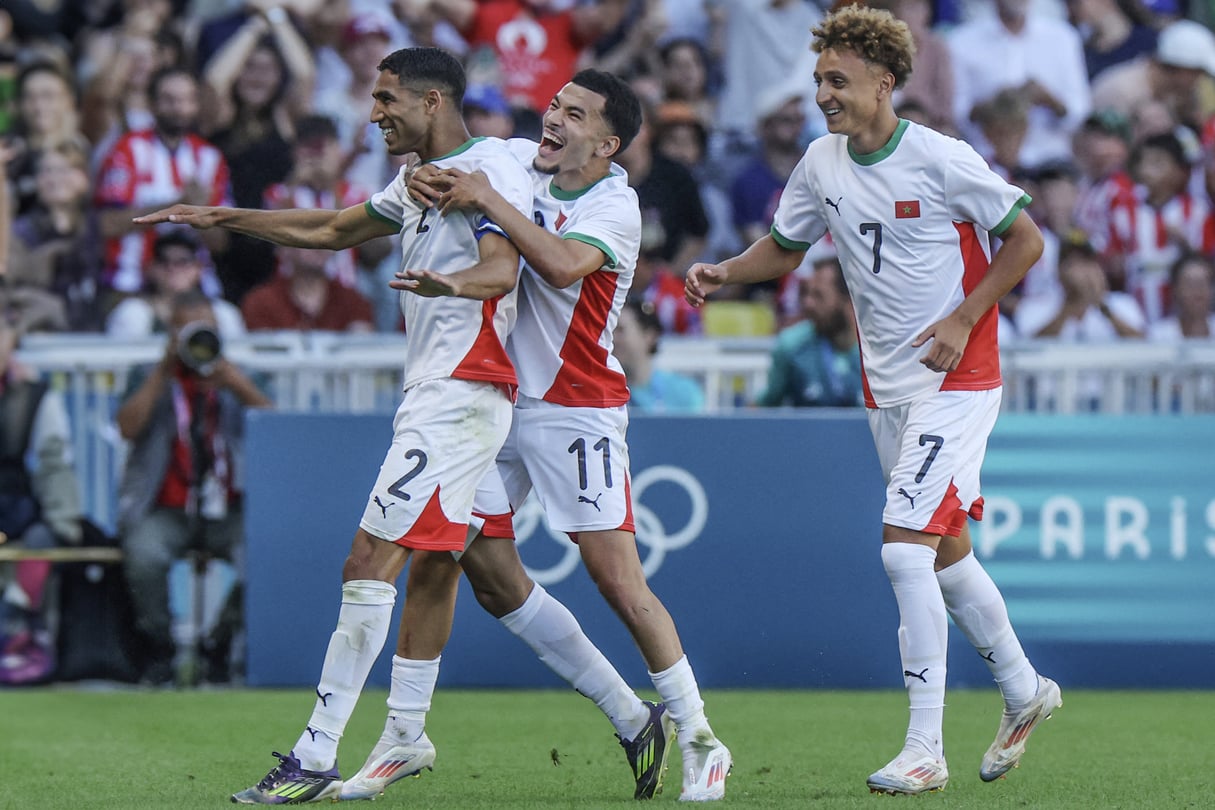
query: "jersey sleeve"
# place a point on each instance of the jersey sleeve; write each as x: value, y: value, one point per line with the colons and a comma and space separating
x: 610, y: 222
x: 974, y: 193
x: 507, y: 177
x: 799, y: 221
x: 393, y: 203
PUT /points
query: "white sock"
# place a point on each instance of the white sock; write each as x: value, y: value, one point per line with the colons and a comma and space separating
x: 548, y: 627
x: 412, y: 687
x: 677, y: 687
x: 361, y: 630
x: 923, y: 630
x: 977, y: 608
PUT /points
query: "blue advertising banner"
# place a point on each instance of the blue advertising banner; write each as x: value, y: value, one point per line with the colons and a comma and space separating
x: 761, y: 534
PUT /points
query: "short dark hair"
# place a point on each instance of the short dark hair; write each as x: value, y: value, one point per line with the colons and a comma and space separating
x: 1076, y: 245
x: 1191, y: 257
x: 42, y: 66
x: 315, y: 127
x: 1165, y: 142
x: 428, y: 65
x: 174, y: 238
x: 621, y: 109
x: 168, y: 72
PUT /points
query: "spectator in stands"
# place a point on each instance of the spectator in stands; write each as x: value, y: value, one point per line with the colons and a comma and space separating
x: 1115, y: 31
x: 1054, y: 190
x: 52, y: 263
x: 931, y: 82
x: 1192, y: 280
x: 176, y: 267
x: 148, y: 170
x: 39, y: 509
x: 684, y: 71
x: 365, y: 40
x: 1179, y: 75
x: 817, y: 361
x: 116, y: 66
x: 1102, y: 147
x: 486, y: 112
x: 1024, y: 50
x: 317, y: 181
x: 180, y: 490
x: 651, y: 390
x: 1004, y: 121
x: 1165, y: 218
x: 673, y: 219
x: 304, y: 295
x: 1087, y: 312
x: 759, y: 44
x: 47, y: 117
x: 537, y: 42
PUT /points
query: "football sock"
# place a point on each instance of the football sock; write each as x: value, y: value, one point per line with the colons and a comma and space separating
x: 923, y: 630
x: 977, y: 608
x: 362, y: 628
x: 677, y: 687
x: 413, y: 685
x: 548, y: 627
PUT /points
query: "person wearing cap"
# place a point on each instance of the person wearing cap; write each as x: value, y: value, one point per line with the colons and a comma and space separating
x: 486, y: 112
x: 1042, y: 58
x: 1183, y: 62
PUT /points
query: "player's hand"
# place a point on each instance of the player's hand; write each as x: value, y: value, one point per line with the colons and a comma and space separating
x: 196, y: 216
x: 463, y: 191
x: 422, y: 185
x: 949, y: 338
x: 702, y: 281
x: 426, y: 283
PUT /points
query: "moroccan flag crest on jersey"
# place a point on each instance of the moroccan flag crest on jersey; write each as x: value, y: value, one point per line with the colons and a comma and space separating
x: 907, y: 209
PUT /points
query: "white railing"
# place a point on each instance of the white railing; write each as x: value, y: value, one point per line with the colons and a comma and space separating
x: 362, y: 374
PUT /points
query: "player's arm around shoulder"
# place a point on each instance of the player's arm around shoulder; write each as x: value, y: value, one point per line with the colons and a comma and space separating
x: 494, y: 275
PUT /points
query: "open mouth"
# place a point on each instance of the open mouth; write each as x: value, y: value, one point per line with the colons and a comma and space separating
x: 550, y: 145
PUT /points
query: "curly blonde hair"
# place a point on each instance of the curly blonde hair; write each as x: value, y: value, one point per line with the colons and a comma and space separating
x: 872, y: 34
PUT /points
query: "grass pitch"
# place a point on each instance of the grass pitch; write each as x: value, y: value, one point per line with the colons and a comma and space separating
x: 81, y: 748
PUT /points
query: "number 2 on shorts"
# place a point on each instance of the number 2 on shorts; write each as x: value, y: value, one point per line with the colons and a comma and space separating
x: 395, y: 490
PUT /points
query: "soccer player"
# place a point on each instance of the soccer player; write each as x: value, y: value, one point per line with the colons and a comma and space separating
x: 568, y: 442
x: 459, y: 275
x: 910, y: 211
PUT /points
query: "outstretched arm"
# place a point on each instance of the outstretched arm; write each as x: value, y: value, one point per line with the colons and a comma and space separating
x: 293, y: 227
x: 560, y: 262
x: 765, y: 259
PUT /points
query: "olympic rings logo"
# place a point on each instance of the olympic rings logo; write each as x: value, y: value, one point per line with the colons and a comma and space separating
x: 652, y: 535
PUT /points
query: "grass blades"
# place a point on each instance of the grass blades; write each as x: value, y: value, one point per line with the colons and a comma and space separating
x: 74, y: 748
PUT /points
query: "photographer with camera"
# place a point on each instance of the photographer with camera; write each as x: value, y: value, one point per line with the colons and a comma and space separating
x: 180, y: 490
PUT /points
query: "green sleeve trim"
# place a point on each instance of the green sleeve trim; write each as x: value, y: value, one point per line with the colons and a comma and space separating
x: 593, y: 242
x: 374, y: 214
x: 788, y: 244
x: 1007, y: 222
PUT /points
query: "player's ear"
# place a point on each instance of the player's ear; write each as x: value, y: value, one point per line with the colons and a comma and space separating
x: 608, y: 147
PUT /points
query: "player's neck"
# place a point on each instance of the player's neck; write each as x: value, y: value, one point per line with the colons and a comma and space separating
x: 444, y: 139
x: 586, y: 175
x: 877, y: 134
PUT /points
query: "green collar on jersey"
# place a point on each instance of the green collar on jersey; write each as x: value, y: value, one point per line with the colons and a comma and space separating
x: 885, y: 151
x: 464, y: 147
x: 562, y: 194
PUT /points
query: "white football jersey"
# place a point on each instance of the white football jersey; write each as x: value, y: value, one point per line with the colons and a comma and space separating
x: 455, y: 337
x: 562, y: 343
x: 911, y: 224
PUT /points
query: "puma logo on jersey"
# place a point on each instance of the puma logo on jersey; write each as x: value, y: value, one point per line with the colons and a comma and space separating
x: 834, y: 204
x: 909, y: 674
x: 909, y: 496
x: 383, y: 506
x: 594, y: 503
x: 990, y: 657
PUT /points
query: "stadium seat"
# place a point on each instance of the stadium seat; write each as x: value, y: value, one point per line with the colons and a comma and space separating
x: 738, y: 319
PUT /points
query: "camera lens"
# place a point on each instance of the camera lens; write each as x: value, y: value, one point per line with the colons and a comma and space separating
x: 199, y: 347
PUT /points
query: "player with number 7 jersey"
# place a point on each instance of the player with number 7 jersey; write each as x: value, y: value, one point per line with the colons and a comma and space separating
x: 910, y: 211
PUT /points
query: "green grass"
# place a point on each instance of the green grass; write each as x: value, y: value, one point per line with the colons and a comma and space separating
x: 69, y: 748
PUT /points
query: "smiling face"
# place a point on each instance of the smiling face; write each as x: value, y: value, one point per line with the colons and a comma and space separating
x: 851, y: 92
x: 575, y: 132
x: 402, y: 114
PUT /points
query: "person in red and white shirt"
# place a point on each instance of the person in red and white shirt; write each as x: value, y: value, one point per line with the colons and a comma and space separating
x: 567, y: 441
x: 910, y: 211
x: 150, y: 169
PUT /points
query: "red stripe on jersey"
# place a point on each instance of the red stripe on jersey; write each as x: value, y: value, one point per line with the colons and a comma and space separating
x: 979, y: 368
x: 870, y: 402
x: 628, y: 525
x: 487, y: 360
x: 584, y: 379
x: 432, y: 531
x: 948, y: 517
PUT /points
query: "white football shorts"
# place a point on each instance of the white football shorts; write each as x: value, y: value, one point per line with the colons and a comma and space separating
x: 930, y: 452
x: 446, y: 434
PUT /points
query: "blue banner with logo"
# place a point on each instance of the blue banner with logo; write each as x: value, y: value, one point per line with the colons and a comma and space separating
x: 761, y: 534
